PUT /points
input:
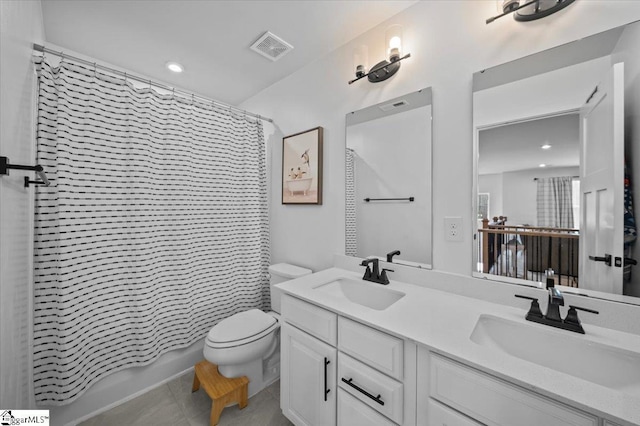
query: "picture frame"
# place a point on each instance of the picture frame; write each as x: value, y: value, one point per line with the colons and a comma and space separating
x: 302, y: 167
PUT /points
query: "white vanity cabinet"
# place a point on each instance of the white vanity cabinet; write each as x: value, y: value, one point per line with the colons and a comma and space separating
x: 453, y: 394
x: 338, y: 371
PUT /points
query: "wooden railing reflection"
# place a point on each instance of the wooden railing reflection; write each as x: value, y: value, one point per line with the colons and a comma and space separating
x: 528, y: 251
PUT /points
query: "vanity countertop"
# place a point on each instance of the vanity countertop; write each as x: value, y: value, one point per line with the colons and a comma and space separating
x: 444, y: 322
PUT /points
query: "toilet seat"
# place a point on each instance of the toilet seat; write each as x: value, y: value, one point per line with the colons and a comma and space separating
x: 241, y: 329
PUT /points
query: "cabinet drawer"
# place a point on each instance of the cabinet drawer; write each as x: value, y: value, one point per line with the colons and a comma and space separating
x: 310, y: 318
x: 492, y: 401
x: 378, y: 391
x: 380, y: 350
x: 352, y: 412
x: 440, y: 415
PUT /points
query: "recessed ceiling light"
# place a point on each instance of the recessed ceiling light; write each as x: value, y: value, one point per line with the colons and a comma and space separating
x: 542, y: 165
x: 175, y: 67
x: 545, y: 146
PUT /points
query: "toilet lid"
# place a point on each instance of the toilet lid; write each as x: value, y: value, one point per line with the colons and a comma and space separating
x: 241, y: 326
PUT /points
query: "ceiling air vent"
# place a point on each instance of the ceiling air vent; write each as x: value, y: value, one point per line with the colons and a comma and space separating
x: 393, y: 105
x: 271, y: 46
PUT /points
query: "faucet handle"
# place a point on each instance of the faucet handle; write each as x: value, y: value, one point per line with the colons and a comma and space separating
x: 572, y: 321
x: 383, y: 276
x: 534, y: 310
x: 572, y: 314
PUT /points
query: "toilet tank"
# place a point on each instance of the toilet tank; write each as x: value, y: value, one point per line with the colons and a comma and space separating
x: 282, y: 272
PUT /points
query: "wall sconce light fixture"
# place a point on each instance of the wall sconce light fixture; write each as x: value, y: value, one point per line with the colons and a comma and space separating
x: 529, y: 10
x: 384, y: 69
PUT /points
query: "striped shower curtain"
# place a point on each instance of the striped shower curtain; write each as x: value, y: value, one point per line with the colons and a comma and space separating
x: 351, y: 245
x: 154, y: 229
x: 555, y: 202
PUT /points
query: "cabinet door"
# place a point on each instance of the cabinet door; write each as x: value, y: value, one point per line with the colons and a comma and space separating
x: 308, y: 379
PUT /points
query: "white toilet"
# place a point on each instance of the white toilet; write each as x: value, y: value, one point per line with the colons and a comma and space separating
x: 248, y: 343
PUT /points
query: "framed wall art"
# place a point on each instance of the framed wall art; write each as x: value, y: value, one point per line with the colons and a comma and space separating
x: 302, y: 167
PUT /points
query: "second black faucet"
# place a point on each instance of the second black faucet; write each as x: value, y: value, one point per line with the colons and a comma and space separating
x: 375, y: 276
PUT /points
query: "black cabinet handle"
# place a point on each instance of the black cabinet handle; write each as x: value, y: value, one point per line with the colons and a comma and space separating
x: 326, y: 391
x: 606, y: 259
x: 359, y: 389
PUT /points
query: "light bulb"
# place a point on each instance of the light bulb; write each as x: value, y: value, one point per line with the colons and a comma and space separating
x: 393, y: 38
x: 360, y: 60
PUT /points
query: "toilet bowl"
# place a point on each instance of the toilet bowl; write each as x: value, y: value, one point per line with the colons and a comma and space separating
x: 248, y: 343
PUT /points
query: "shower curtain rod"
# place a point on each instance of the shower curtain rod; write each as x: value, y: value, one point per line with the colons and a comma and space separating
x: 43, y: 49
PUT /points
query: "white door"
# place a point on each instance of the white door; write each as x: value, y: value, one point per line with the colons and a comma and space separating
x: 602, y: 185
x: 308, y: 379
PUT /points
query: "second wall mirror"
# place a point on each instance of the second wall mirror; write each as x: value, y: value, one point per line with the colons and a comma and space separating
x: 549, y: 186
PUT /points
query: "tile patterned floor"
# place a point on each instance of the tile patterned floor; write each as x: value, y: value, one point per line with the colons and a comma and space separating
x: 173, y: 404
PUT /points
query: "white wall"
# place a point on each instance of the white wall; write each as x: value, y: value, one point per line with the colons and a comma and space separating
x: 448, y: 42
x: 627, y: 51
x: 20, y: 26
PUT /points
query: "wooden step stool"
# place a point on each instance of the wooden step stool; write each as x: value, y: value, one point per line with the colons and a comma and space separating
x: 222, y: 390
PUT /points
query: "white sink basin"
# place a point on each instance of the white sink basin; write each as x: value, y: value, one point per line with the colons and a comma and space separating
x: 563, y: 351
x: 365, y: 293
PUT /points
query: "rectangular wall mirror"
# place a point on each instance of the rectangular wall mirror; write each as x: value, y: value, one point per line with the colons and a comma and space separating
x: 549, y: 167
x: 388, y: 180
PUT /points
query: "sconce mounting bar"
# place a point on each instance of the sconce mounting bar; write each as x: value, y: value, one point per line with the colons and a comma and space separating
x: 389, y: 69
x: 540, y: 12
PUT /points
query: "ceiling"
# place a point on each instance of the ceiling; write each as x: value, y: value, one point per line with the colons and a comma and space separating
x: 516, y: 147
x: 211, y: 38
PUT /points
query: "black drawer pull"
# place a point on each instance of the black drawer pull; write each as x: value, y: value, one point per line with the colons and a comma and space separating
x: 326, y: 391
x: 359, y: 389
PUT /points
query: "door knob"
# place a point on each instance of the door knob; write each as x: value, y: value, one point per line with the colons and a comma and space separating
x: 606, y: 259
x: 630, y: 261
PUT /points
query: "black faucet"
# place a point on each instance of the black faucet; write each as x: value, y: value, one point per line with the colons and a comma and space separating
x: 553, y: 318
x: 553, y: 307
x: 375, y: 276
x: 390, y: 255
